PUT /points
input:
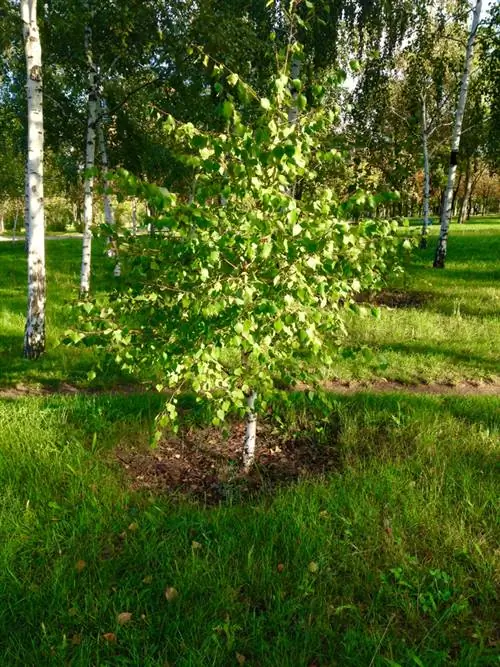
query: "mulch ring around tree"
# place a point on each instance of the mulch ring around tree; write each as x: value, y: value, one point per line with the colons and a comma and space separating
x: 206, y: 464
x: 395, y: 299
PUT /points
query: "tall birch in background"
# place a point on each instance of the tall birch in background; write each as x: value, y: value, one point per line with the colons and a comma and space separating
x: 446, y: 209
x: 34, y: 335
x: 89, y: 164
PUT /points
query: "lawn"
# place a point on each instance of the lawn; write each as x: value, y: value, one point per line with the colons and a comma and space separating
x: 434, y: 326
x: 437, y: 326
x: 384, y: 554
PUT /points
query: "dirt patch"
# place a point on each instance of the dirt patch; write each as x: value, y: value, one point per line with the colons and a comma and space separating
x: 205, y: 464
x: 470, y: 388
x: 65, y: 389
x: 395, y: 299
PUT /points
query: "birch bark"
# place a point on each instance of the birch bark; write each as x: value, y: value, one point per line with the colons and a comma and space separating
x: 26, y: 206
x: 89, y: 165
x: 250, y: 433
x: 34, y: 334
x: 441, y: 249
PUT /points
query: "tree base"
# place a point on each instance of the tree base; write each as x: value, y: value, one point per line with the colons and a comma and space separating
x: 423, y: 243
x: 440, y: 256
x: 33, y: 352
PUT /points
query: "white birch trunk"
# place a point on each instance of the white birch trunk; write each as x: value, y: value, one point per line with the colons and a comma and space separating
x: 441, y: 249
x: 427, y: 179
x: 250, y: 433
x: 293, y: 111
x: 89, y: 165
x: 34, y: 334
x: 26, y: 206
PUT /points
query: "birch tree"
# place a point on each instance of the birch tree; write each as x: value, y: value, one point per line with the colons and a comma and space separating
x: 34, y: 336
x: 446, y: 210
x: 89, y: 164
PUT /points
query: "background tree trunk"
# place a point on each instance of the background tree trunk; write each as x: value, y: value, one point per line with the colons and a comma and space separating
x: 468, y: 189
x: 441, y: 249
x: 89, y: 165
x: 34, y: 334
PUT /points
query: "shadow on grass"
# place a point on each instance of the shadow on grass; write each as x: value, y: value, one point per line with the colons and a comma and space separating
x: 470, y: 276
x: 490, y: 365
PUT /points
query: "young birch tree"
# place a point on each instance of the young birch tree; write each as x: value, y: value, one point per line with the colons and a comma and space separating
x: 89, y: 164
x: 34, y: 336
x: 446, y: 209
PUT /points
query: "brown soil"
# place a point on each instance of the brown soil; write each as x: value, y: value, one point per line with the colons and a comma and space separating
x: 467, y: 388
x: 65, y: 389
x: 206, y: 464
x: 464, y: 388
x: 395, y: 299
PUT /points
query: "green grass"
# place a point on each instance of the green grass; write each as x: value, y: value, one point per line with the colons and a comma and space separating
x: 390, y: 560
x: 454, y: 332
x: 60, y: 363
x: 452, y: 335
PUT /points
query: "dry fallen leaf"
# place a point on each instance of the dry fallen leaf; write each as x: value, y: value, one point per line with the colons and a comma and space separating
x: 147, y: 580
x: 124, y: 618
x: 195, y: 545
x: 80, y: 565
x: 280, y: 567
x: 240, y: 659
x: 76, y: 640
x: 313, y: 567
x: 171, y: 593
x: 133, y: 527
x: 109, y: 637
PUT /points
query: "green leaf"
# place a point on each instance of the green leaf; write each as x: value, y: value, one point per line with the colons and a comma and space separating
x: 266, y: 249
x: 233, y: 79
x: 265, y: 103
x: 296, y: 229
x: 227, y: 109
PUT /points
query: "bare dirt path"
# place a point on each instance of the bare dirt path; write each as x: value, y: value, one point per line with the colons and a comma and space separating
x: 465, y: 388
